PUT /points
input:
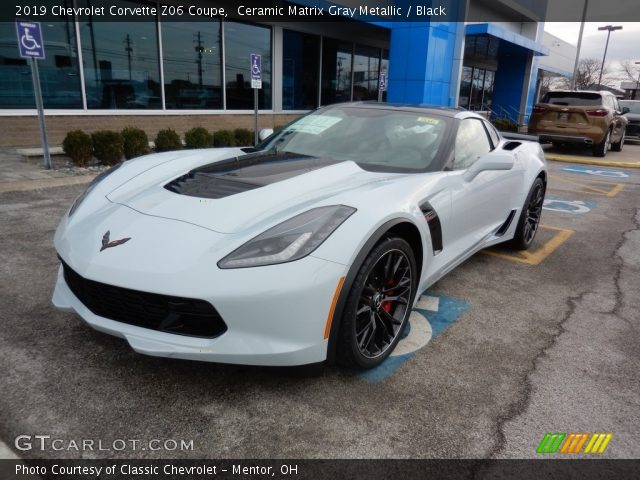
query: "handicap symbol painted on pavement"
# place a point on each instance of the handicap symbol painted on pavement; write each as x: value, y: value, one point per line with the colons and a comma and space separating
x: 431, y: 316
x: 575, y: 207
x: 599, y: 172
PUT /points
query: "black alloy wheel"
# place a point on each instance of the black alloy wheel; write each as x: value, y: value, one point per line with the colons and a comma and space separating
x: 530, y: 217
x: 379, y: 304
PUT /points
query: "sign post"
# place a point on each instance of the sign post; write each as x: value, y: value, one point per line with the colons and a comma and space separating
x: 382, y: 87
x: 256, y: 84
x: 31, y: 46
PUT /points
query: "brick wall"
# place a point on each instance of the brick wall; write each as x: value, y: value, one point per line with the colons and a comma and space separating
x: 24, y: 132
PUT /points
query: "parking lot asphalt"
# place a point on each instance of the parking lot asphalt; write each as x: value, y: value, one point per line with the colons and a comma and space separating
x: 520, y: 345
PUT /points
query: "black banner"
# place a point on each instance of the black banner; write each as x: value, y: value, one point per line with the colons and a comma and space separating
x: 601, y: 469
x: 323, y: 10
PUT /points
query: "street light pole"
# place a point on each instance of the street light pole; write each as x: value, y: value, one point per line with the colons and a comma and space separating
x: 609, y: 29
x: 577, y: 61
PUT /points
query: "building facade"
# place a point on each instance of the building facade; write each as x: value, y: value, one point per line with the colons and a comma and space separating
x: 175, y: 74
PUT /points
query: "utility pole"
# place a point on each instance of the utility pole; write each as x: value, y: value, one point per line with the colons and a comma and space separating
x: 199, y: 60
x: 129, y: 50
x: 609, y: 29
x: 575, y: 65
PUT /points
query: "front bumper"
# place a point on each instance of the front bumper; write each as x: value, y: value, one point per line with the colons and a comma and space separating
x: 275, y: 315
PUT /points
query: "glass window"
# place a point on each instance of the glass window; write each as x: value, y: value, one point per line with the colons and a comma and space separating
x: 59, y: 74
x: 382, y: 140
x: 489, y: 80
x: 471, y: 143
x: 465, y: 86
x: 475, y: 103
x: 191, y: 55
x: 366, y: 66
x: 240, y: 41
x: 300, y: 70
x: 121, y: 67
x: 493, y: 133
x: 384, y: 67
x: 336, y: 71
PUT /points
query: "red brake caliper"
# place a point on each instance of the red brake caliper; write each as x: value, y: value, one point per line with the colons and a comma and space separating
x: 386, y: 306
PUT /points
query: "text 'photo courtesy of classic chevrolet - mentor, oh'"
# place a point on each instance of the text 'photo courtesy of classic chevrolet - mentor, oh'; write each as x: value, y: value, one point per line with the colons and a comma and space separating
x: 309, y: 247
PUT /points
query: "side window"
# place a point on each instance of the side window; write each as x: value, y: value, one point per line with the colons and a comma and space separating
x: 471, y: 143
x: 493, y: 133
x: 616, y: 105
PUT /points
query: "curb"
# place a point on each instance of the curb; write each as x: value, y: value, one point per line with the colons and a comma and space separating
x: 586, y: 161
x: 25, y: 185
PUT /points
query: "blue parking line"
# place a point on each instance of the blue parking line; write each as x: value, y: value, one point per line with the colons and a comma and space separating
x: 436, y: 320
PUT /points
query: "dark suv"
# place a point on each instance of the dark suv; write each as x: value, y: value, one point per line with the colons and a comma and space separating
x: 583, y: 117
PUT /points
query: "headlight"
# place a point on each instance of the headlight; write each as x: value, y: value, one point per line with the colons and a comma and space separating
x: 291, y: 240
x: 91, y: 186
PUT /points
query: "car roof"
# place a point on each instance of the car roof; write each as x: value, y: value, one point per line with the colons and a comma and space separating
x: 405, y: 107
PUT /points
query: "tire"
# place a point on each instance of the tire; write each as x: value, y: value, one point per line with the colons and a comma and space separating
x: 529, y: 217
x: 601, y: 149
x: 371, y: 326
x: 617, y: 147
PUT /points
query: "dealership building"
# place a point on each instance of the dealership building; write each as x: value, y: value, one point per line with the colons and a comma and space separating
x: 176, y: 74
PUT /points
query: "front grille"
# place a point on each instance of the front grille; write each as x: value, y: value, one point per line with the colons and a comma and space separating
x: 183, y: 316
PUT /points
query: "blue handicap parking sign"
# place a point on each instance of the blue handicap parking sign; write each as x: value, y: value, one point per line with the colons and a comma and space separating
x: 256, y: 70
x: 597, y: 171
x: 431, y: 316
x: 383, y: 82
x: 30, y: 40
x: 574, y: 207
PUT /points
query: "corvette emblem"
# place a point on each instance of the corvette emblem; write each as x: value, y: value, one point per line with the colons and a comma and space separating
x: 107, y: 244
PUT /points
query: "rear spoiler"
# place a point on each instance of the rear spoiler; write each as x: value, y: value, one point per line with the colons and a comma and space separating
x: 519, y: 136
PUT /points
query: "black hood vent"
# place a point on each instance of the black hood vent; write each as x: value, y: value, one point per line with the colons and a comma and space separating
x: 241, y: 174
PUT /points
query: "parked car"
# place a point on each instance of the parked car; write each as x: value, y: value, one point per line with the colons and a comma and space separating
x: 633, y: 115
x: 588, y: 118
x: 312, y: 246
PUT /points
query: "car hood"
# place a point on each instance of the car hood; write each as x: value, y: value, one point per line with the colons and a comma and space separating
x: 635, y: 117
x: 242, y: 193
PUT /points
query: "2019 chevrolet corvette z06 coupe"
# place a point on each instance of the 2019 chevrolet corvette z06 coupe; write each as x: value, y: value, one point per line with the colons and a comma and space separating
x: 309, y: 247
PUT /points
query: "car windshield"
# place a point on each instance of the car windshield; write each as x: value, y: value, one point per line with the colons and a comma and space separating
x: 376, y: 138
x: 633, y: 106
x: 577, y: 99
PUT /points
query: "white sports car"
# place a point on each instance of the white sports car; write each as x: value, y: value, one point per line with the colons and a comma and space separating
x: 310, y: 247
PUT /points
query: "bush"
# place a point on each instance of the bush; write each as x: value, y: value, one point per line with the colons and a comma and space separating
x: 167, y: 140
x: 108, y: 146
x: 198, y: 137
x: 224, y: 138
x: 136, y: 142
x: 77, y: 146
x: 243, y: 137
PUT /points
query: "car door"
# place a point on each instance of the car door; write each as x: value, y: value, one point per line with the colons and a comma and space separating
x: 479, y: 206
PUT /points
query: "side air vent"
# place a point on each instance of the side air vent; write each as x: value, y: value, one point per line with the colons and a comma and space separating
x: 511, y: 145
x: 505, y: 226
x: 435, y: 228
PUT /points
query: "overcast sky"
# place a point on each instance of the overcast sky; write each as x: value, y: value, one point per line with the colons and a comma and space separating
x: 623, y: 45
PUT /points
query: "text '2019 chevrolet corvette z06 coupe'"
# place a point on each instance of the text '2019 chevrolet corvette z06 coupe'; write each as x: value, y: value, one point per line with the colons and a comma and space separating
x: 309, y: 247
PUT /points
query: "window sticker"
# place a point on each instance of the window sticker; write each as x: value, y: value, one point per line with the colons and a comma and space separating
x: 429, y: 120
x: 314, y: 124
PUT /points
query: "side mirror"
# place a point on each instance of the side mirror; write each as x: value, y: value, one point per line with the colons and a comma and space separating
x: 265, y: 133
x: 489, y: 162
x: 625, y: 110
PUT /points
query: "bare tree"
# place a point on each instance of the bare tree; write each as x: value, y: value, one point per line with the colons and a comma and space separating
x: 588, y: 74
x: 630, y: 70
